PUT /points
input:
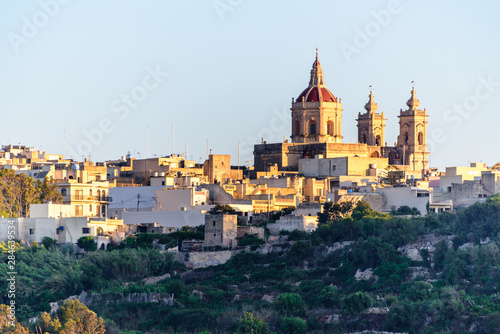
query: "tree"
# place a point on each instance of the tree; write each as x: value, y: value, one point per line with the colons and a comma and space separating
x: 289, y: 304
x: 47, y: 324
x: 357, y: 302
x: 335, y: 211
x: 87, y: 243
x: 250, y: 324
x: 219, y: 208
x: 76, y: 318
x: 330, y: 296
x: 362, y: 209
x: 18, y: 192
x: 6, y: 320
x: 406, y: 210
x: 49, y: 243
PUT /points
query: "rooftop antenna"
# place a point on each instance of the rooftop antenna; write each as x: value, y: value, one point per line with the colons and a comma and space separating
x: 186, y: 160
x: 173, y: 138
x: 147, y: 153
x: 64, y: 142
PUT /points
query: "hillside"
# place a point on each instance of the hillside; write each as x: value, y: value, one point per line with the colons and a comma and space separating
x: 364, y: 272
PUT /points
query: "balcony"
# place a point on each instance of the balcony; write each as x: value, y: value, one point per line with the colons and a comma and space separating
x: 83, y: 198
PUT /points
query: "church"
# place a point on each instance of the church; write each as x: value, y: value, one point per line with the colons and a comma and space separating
x: 317, y: 130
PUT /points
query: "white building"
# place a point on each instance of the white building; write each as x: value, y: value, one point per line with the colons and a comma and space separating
x: 65, y: 230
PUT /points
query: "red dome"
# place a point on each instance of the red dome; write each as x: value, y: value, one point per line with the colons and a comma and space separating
x: 314, y: 93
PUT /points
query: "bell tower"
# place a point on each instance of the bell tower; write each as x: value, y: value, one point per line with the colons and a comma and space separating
x: 412, y: 139
x: 316, y: 113
x: 371, y: 125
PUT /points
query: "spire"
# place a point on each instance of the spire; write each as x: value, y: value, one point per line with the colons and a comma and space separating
x: 316, y: 73
x: 413, y: 102
x: 371, y: 106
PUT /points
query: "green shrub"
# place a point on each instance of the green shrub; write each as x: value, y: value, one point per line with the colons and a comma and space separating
x: 87, y: 243
x: 252, y: 325
x: 357, y: 302
x: 49, y: 243
x: 330, y: 296
x: 289, y: 304
x: 293, y: 326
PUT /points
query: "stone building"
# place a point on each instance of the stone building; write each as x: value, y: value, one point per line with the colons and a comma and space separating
x: 317, y: 130
x: 217, y: 168
x: 221, y: 230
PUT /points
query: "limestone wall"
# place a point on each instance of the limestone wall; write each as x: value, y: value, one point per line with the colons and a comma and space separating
x: 195, y: 260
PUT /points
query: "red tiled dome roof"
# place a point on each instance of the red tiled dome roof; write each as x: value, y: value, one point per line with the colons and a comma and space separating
x: 315, y: 93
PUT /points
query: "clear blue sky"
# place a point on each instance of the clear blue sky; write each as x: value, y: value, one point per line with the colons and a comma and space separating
x: 233, y: 67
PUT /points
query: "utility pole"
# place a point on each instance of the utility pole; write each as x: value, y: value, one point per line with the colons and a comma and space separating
x: 147, y: 153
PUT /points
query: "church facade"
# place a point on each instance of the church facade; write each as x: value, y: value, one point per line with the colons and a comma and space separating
x: 317, y: 130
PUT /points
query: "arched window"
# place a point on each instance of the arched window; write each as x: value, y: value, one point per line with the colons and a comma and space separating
x: 420, y: 138
x: 363, y: 139
x: 90, y: 193
x: 377, y: 140
x: 329, y: 128
x: 406, y: 138
x: 100, y: 231
x: 90, y: 208
x: 312, y: 128
x: 296, y: 128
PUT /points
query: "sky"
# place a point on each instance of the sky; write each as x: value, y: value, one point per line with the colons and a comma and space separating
x: 93, y: 78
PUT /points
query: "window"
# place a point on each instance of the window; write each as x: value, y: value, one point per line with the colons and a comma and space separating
x: 377, y: 141
x: 329, y: 128
x: 334, y: 168
x: 296, y: 128
x: 363, y: 140
x: 78, y: 194
x: 312, y: 128
x: 406, y: 138
x: 420, y: 138
x: 90, y: 208
x: 78, y: 210
x: 63, y: 191
x: 32, y: 231
x: 86, y: 230
x: 100, y: 231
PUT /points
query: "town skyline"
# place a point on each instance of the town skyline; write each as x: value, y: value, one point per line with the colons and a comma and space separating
x: 228, y: 79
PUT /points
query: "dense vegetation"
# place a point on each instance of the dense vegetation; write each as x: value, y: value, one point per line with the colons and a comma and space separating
x: 306, y: 284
